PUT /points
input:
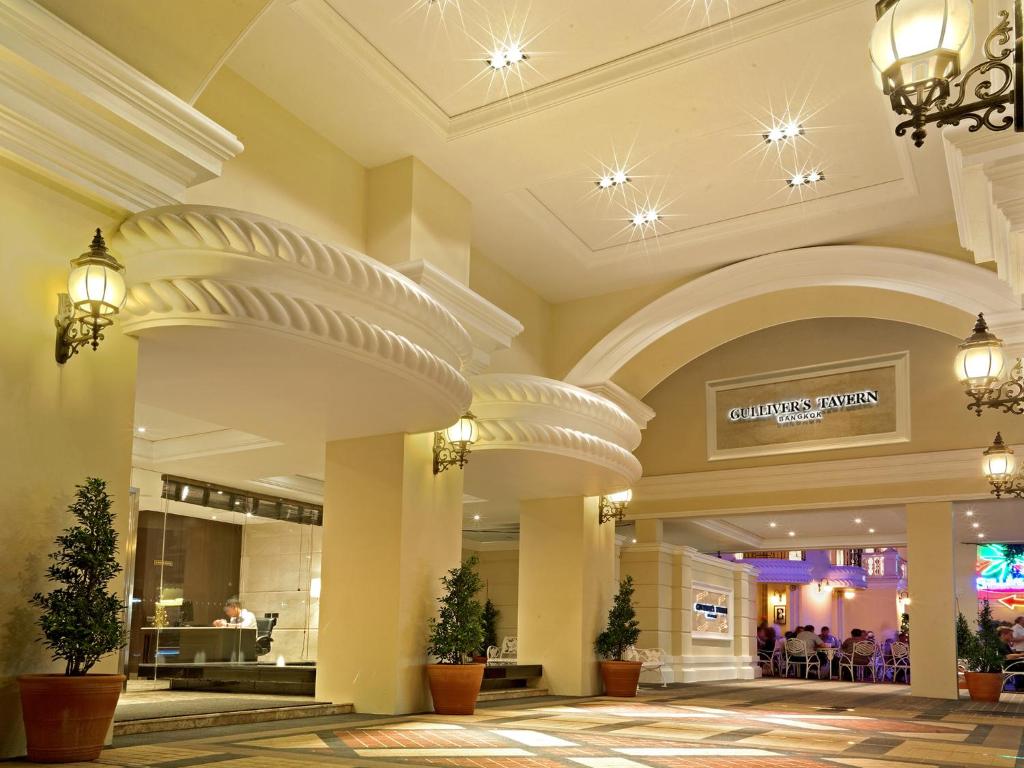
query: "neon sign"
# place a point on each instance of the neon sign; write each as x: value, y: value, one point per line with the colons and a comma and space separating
x: 1000, y: 568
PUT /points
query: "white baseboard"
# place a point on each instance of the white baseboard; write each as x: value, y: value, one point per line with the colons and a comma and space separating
x: 703, y: 669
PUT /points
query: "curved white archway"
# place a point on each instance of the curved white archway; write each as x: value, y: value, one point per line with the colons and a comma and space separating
x: 915, y: 273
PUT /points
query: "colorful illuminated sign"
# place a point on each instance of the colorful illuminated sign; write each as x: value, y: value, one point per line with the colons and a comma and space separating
x: 1000, y: 568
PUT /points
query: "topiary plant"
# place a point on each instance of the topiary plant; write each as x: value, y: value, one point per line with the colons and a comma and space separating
x: 623, y: 629
x: 490, y: 626
x: 983, y: 652
x: 457, y: 630
x: 82, y: 620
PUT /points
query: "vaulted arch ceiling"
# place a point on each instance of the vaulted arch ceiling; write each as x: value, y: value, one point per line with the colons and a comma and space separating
x: 827, y: 281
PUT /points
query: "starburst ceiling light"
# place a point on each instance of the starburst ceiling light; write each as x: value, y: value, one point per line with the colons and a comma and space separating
x: 919, y: 49
x: 613, y: 179
x: 647, y: 217
x: 785, y: 131
x: 810, y: 178
x: 506, y: 56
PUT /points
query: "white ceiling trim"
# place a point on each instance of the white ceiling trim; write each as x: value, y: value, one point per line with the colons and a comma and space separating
x: 873, y: 470
x: 749, y: 26
x: 730, y: 531
x: 926, y: 275
x: 75, y: 112
x: 146, y: 452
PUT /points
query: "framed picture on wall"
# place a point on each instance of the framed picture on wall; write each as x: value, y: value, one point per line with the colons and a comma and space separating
x: 780, y: 615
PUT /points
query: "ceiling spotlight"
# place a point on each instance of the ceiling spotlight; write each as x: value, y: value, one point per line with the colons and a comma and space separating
x: 140, y: 430
x: 613, y: 179
x: 634, y: 541
x: 507, y: 56
x: 975, y: 525
x: 857, y: 520
x: 804, y: 179
x: 782, y: 132
x: 969, y: 513
x: 772, y: 525
x: 981, y: 535
x: 476, y: 517
x: 871, y: 530
x: 792, y: 533
x: 646, y: 218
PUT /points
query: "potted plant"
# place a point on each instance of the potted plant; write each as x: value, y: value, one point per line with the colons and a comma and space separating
x: 455, y: 634
x: 620, y: 677
x: 67, y: 716
x: 983, y: 654
x: 490, y: 625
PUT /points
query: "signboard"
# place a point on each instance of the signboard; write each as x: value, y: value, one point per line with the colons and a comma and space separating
x: 712, y: 607
x: 833, y: 405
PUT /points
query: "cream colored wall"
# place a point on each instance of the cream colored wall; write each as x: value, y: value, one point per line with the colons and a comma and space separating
x: 279, y: 560
x: 60, y: 424
x: 287, y: 171
x: 499, y: 570
x: 676, y: 440
x: 528, y: 353
x: 817, y: 607
x: 874, y: 609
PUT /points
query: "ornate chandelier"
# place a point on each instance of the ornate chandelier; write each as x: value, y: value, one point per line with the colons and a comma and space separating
x: 919, y: 48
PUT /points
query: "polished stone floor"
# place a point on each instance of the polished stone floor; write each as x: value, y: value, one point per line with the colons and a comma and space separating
x: 784, y: 724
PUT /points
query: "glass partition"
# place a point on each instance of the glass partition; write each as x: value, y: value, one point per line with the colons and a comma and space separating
x: 223, y: 577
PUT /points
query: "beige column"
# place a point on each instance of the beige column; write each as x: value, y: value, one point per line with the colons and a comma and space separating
x: 650, y: 565
x: 649, y: 531
x: 930, y: 582
x: 566, y: 583
x: 413, y: 214
x: 391, y: 530
x: 966, y: 580
x: 745, y: 620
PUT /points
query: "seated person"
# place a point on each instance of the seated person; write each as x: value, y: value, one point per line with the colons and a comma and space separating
x: 237, y: 616
x: 828, y: 640
x: 810, y: 640
x: 856, y: 636
x: 1010, y: 655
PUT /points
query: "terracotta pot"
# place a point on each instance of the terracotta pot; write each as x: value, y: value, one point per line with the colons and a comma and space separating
x: 984, y: 686
x: 67, y: 718
x: 620, y: 677
x: 454, y: 687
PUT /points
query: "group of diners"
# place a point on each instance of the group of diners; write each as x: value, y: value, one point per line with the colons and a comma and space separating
x: 804, y: 652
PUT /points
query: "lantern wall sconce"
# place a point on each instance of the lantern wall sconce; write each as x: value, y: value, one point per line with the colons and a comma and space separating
x: 1000, y: 468
x: 613, y: 506
x: 979, y: 364
x: 96, y: 294
x: 919, y: 48
x: 452, y: 446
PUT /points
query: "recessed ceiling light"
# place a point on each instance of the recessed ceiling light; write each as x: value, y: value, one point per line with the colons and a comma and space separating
x: 969, y: 513
x: 857, y: 520
x: 645, y: 218
x: 220, y: 493
x: 506, y: 56
x: 975, y: 525
x: 792, y: 533
x: 772, y: 525
x: 476, y: 517
x: 783, y: 131
x: 981, y: 535
x: 613, y: 179
x: 806, y: 179
x: 634, y: 541
x: 140, y: 430
x: 871, y: 530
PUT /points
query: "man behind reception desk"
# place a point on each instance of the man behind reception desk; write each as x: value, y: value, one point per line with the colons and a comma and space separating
x: 237, y: 616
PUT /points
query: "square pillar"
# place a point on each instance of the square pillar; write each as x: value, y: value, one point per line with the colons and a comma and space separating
x: 391, y: 531
x: 566, y: 584
x: 650, y: 565
x: 930, y: 583
x: 744, y: 600
x: 966, y: 580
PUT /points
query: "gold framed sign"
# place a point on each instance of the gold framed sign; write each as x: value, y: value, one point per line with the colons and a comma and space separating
x: 817, y: 408
x: 712, y: 607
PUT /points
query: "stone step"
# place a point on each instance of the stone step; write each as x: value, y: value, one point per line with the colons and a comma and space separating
x: 506, y: 694
x: 240, y: 717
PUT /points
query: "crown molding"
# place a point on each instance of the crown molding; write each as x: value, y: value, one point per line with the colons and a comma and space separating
x: 299, y: 484
x: 490, y: 328
x: 730, y: 531
x: 636, y: 408
x: 783, y: 14
x: 873, y: 470
x: 76, y: 113
x: 221, y: 441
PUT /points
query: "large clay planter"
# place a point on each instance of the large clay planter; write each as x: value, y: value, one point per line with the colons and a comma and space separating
x: 454, y: 687
x: 620, y: 677
x: 67, y: 718
x: 984, y: 686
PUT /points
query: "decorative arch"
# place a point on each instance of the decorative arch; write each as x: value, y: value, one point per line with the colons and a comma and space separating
x: 946, y: 281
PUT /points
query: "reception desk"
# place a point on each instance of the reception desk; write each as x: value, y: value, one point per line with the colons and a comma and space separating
x: 197, y: 645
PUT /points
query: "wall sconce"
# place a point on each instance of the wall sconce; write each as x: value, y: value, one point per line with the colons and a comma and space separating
x: 824, y: 585
x: 849, y: 594
x: 451, y: 447
x: 613, y: 506
x: 96, y: 293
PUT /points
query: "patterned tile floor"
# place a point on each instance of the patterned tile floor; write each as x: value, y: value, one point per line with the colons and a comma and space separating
x: 793, y: 724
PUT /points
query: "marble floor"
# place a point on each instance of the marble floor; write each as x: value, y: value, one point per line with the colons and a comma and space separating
x: 784, y: 724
